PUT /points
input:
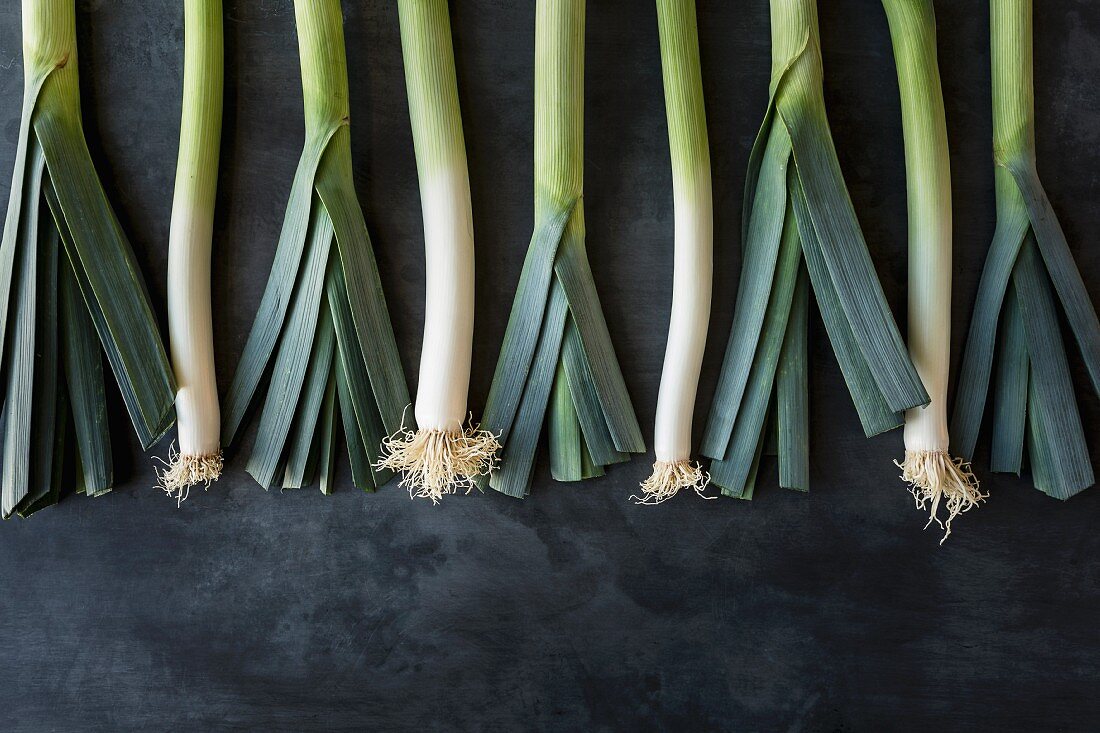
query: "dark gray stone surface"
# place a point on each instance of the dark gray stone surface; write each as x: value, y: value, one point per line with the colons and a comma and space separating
x: 573, y: 610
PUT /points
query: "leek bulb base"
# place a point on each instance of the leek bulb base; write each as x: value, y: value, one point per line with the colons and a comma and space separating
x: 434, y: 463
x: 926, y: 429
x: 937, y: 480
x: 668, y: 478
x: 184, y: 470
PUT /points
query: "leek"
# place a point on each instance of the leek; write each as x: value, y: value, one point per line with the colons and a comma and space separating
x: 67, y: 272
x: 1029, y: 270
x: 687, y: 333
x: 800, y: 232
x: 198, y: 420
x: 934, y: 476
x: 557, y: 340
x: 441, y: 457
x: 334, y: 362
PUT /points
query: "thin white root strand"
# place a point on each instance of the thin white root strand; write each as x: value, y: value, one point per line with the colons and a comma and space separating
x: 182, y: 471
x: 437, y: 462
x: 934, y: 477
x: 668, y: 478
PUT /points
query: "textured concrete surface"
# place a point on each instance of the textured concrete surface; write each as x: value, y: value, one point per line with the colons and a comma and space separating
x: 573, y: 610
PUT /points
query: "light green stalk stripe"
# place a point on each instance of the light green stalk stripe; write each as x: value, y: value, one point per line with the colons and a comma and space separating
x: 559, y: 108
x: 201, y: 118
x: 432, y: 87
x: 320, y: 25
x: 687, y: 128
x: 928, y: 183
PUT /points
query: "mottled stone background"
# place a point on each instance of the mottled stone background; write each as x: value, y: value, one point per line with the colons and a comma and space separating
x: 573, y: 610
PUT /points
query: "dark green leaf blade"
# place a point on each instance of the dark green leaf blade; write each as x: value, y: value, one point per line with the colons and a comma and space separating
x: 19, y: 355
x: 23, y: 198
x: 46, y: 385
x: 83, y: 367
x: 357, y: 406
x: 599, y: 445
x: 362, y: 283
x: 564, y: 432
x: 1011, y: 389
x: 362, y: 474
x: 760, y: 254
x: 732, y: 471
x: 268, y: 324
x: 575, y: 276
x: 293, y: 357
x: 977, y: 364
x: 1066, y: 278
x: 521, y: 336
x: 303, y: 439
x: 843, y: 247
x: 874, y: 414
x: 101, y: 251
x: 518, y: 458
x: 793, y: 393
x: 1058, y: 416
x: 326, y: 453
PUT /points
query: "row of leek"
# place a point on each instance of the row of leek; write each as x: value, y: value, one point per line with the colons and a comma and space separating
x: 322, y: 354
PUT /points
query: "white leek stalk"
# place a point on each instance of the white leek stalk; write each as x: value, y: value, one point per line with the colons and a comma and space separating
x: 934, y: 476
x: 692, y: 274
x: 198, y: 418
x: 441, y: 456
